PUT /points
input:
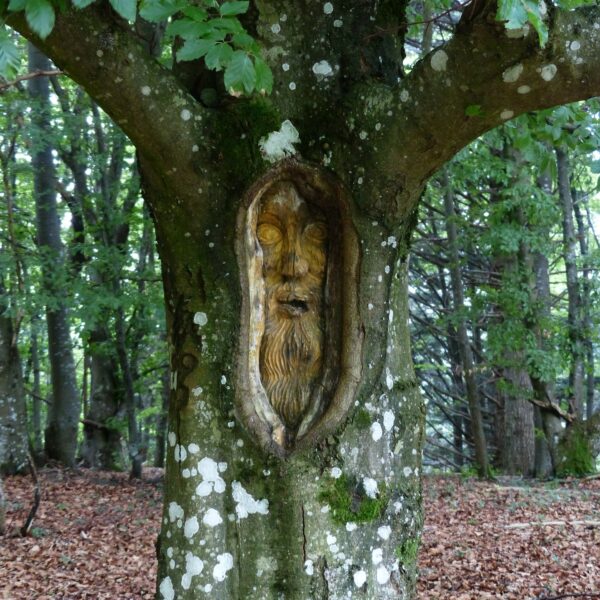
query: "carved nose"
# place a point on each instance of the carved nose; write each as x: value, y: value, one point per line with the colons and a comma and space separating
x: 294, y: 265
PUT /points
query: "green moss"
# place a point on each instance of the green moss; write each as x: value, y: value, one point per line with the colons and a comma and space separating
x: 244, y: 123
x: 407, y: 552
x: 576, y: 454
x: 349, y: 502
x: 362, y: 418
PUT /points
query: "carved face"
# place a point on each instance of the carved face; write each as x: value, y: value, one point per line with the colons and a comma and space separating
x: 293, y: 237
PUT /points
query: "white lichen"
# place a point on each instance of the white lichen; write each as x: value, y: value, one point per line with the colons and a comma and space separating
x: 279, y: 144
x: 383, y: 575
x: 507, y: 114
x: 376, y: 556
x: 370, y: 486
x: 212, y: 518
x: 513, y: 73
x: 327, y: 8
x: 208, y: 469
x: 360, y: 577
x: 439, y: 61
x: 548, y: 72
x: 200, y: 319
x: 191, y: 527
x: 175, y: 512
x: 166, y: 589
x: 224, y: 564
x: 384, y: 532
x: 245, y: 503
x: 376, y: 431
x: 388, y: 420
x: 322, y: 69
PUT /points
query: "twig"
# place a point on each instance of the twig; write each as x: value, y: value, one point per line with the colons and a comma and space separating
x: 550, y: 523
x: 36, y: 498
x: 32, y: 75
x: 591, y: 477
x: 581, y: 595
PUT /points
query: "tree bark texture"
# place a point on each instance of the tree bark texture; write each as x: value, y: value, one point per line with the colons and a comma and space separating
x: 13, y: 418
x: 342, y: 516
x: 63, y: 417
x: 575, y: 321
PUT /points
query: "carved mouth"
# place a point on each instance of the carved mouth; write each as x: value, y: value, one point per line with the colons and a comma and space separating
x: 294, y: 307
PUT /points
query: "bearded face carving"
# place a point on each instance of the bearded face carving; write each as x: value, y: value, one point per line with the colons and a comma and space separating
x: 293, y: 237
x: 300, y: 338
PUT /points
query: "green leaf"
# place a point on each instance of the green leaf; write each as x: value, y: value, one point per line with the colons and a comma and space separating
x: 218, y: 56
x: 159, y: 10
x: 244, y: 41
x: 513, y: 12
x: 595, y: 167
x: 194, y: 48
x: 229, y: 9
x: 9, y: 55
x: 473, y: 110
x: 187, y: 29
x: 228, y: 24
x: 264, y: 76
x: 535, y: 18
x: 240, y: 74
x: 40, y: 16
x: 195, y: 13
x: 82, y: 3
x: 15, y: 5
x: 125, y: 8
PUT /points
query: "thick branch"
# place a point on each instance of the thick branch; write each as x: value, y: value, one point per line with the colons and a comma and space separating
x: 486, y: 67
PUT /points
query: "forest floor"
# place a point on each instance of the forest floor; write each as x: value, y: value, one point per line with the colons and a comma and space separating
x: 93, y: 538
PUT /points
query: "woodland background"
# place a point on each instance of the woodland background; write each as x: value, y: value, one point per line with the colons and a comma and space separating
x: 504, y: 315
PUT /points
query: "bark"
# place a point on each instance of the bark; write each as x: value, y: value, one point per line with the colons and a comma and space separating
x: 2, y: 509
x: 161, y: 422
x: 464, y: 344
x: 13, y: 419
x: 101, y: 445
x: 63, y: 417
x: 382, y: 140
x: 574, y: 318
x: 586, y: 289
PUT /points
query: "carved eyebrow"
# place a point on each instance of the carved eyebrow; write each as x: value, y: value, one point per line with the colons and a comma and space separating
x: 270, y: 219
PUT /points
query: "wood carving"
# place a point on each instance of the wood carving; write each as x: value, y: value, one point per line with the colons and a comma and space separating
x: 300, y: 339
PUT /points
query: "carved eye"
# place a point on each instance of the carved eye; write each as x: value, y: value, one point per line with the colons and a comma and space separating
x: 268, y: 234
x: 316, y: 232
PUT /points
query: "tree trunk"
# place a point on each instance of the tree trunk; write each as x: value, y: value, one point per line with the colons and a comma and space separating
x: 63, y: 417
x: 161, y: 422
x: 102, y: 440
x: 464, y: 344
x: 326, y: 521
x: 576, y: 372
x: 582, y: 234
x: 13, y: 419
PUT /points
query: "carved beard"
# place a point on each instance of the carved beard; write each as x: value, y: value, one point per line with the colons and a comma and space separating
x: 291, y: 359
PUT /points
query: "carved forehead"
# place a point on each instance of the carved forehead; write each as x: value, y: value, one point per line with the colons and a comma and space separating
x: 283, y: 199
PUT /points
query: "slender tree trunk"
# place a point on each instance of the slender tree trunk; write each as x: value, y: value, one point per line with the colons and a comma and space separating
x: 36, y: 401
x: 13, y: 419
x: 575, y: 325
x: 582, y: 234
x: 63, y: 417
x: 464, y: 344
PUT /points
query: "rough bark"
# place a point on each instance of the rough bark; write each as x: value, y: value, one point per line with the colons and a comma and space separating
x: 574, y: 317
x: 382, y: 141
x: 586, y: 289
x: 13, y: 419
x: 63, y: 417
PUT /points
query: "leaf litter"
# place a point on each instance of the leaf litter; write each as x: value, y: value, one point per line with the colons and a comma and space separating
x: 94, y: 538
